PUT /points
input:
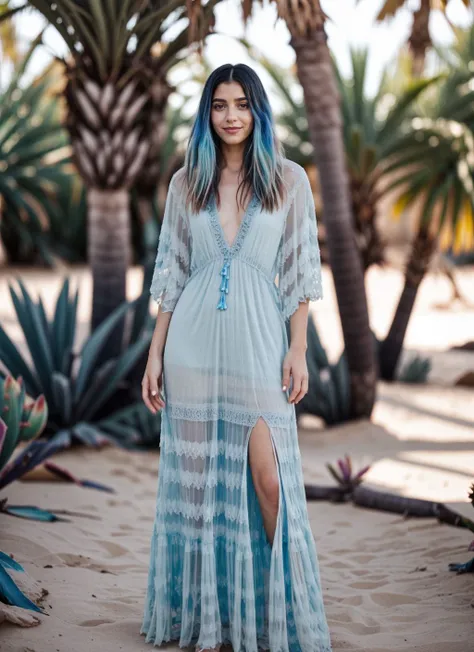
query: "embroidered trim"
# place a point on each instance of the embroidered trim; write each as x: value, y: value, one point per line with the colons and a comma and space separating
x: 232, y: 250
x: 234, y: 415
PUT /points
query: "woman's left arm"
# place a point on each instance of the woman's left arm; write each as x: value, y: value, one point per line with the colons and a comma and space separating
x: 294, y: 364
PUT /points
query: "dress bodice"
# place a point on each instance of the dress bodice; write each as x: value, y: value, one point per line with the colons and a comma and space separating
x: 281, y: 244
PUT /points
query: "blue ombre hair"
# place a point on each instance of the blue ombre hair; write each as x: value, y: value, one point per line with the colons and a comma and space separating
x: 263, y: 154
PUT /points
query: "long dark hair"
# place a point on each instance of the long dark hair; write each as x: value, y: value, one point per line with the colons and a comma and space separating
x: 263, y: 154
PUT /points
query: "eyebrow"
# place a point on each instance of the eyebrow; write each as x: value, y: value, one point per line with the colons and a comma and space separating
x: 219, y: 99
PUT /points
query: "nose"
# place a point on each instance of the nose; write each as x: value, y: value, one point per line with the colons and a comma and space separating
x: 230, y: 117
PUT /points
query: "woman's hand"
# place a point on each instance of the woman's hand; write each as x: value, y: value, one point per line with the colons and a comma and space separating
x: 294, y: 364
x: 152, y: 383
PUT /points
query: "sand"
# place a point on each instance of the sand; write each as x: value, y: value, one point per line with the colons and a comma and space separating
x: 385, y: 579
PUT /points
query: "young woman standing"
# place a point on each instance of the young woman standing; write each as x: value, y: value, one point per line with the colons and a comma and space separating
x: 233, y: 559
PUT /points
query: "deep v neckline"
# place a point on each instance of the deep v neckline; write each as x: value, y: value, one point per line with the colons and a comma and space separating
x: 224, y: 246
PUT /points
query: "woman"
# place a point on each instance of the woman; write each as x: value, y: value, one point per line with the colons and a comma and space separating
x: 233, y: 559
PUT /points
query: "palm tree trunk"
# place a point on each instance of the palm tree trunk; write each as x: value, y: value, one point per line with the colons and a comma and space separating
x: 109, y: 254
x: 315, y: 72
x: 417, y: 266
x: 420, y: 39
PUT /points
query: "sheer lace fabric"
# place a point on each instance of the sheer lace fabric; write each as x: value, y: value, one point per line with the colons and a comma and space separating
x: 213, y: 576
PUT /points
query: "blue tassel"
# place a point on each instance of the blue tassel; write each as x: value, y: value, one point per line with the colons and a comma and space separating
x: 224, y: 287
x: 222, y: 304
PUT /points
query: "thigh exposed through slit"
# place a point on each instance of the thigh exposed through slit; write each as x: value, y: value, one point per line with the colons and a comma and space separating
x: 264, y: 469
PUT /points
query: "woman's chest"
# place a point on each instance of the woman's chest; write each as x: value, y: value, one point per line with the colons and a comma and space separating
x: 254, y: 234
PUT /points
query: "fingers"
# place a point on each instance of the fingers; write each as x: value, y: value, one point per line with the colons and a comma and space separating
x: 299, y: 389
x: 285, y: 382
x: 151, y: 394
x: 303, y: 389
x: 156, y: 397
x: 146, y: 395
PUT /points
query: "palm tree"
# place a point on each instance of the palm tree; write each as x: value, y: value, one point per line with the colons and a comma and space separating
x: 316, y: 75
x: 419, y: 41
x: 371, y: 126
x: 434, y: 166
x: 113, y: 117
x: 31, y: 135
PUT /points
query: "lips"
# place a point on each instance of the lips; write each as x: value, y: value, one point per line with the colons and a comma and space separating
x: 232, y: 130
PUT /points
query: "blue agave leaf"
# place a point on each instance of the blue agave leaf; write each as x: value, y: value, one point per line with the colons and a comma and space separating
x: 36, y: 339
x: 97, y: 485
x: 65, y: 474
x: 7, y: 562
x: 32, y: 513
x: 32, y: 455
x: 46, y: 326
x: 11, y: 594
x: 15, y: 363
x: 99, y: 378
x: 124, y: 364
x: 62, y: 393
x: 64, y: 329
x: 93, y: 346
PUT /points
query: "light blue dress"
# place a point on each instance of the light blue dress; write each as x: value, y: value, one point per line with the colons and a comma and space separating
x: 213, y: 575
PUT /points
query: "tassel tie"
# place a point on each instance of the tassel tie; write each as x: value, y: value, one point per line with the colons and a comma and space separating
x: 224, y: 288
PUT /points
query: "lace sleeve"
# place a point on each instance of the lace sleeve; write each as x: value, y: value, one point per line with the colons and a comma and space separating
x: 299, y: 276
x: 172, y: 262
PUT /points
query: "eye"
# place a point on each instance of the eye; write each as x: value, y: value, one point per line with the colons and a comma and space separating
x: 218, y: 106
x: 244, y: 106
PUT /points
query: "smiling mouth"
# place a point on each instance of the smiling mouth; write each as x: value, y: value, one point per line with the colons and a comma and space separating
x: 232, y: 129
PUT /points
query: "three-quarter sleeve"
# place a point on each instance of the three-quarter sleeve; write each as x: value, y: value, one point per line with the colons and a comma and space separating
x: 172, y: 261
x: 299, y: 273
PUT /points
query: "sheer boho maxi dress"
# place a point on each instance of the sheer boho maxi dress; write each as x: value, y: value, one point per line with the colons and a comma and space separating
x: 213, y: 575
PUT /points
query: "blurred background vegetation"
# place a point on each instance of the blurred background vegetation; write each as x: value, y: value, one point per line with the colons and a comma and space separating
x: 88, y: 146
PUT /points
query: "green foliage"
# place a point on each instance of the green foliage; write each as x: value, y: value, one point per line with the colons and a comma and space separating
x: 105, y: 33
x: 32, y: 160
x: 431, y: 162
x: 371, y: 124
x: 79, y: 389
x: 22, y: 418
x: 328, y: 393
x: 416, y: 370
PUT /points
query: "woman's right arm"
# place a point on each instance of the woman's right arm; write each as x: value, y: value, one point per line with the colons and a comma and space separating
x: 172, y: 268
x: 152, y: 383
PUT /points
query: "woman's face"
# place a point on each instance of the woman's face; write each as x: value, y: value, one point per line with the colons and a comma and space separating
x: 230, y: 108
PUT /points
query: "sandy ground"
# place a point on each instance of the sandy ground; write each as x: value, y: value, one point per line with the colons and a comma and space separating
x: 385, y: 579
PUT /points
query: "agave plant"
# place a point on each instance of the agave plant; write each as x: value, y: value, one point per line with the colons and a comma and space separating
x: 30, y: 132
x: 416, y: 370
x: 467, y: 567
x: 11, y: 593
x: 328, y: 393
x: 22, y: 420
x: 79, y: 389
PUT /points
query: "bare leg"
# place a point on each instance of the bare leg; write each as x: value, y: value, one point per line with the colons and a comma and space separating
x: 264, y: 475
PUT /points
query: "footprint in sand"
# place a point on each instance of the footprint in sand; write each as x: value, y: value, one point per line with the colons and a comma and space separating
x: 353, y: 600
x: 114, y: 549
x: 392, y: 599
x: 362, y: 559
x: 367, y: 584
